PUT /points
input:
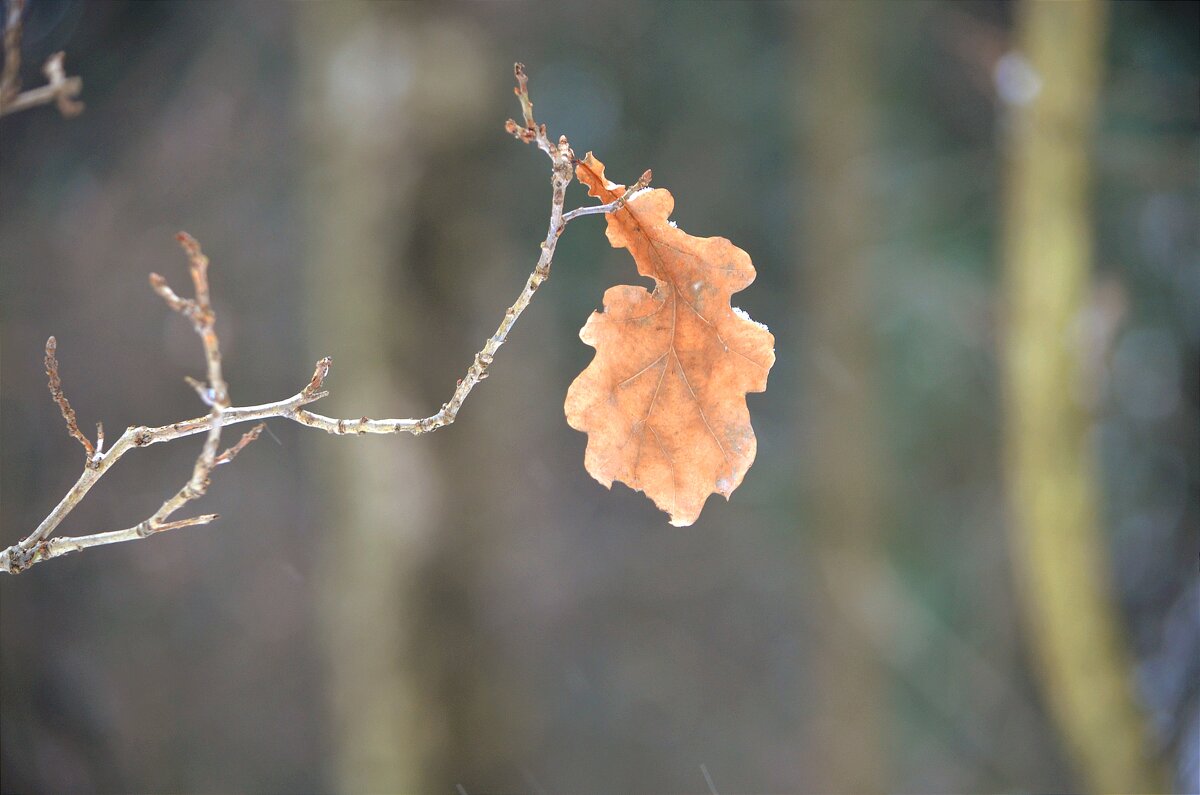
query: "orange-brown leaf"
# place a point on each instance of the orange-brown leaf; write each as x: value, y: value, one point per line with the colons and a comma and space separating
x: 664, y: 400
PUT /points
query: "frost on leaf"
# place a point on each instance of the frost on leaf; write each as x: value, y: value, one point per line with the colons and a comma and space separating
x: 664, y: 400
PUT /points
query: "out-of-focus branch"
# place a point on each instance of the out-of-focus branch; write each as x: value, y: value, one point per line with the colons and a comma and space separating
x: 61, y: 90
x: 9, y: 79
x: 40, y: 546
x: 1059, y: 550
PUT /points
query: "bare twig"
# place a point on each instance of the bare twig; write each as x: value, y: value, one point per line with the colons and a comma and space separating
x: 65, y: 90
x: 247, y: 437
x: 39, y: 546
x: 200, y: 312
x: 10, y: 78
x: 61, y: 90
x: 64, y: 405
x: 561, y: 158
x: 57, y: 547
x: 531, y: 132
x: 630, y: 193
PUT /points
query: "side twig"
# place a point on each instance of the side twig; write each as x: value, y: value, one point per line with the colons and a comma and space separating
x: 39, y: 546
x: 61, y: 90
x: 630, y: 193
x: 64, y: 405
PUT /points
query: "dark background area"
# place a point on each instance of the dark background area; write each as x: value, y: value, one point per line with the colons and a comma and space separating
x: 470, y: 607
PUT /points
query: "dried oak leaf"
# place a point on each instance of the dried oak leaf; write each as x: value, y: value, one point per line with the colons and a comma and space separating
x: 664, y: 400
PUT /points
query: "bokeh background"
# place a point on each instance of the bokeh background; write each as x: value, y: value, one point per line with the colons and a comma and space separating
x: 469, y: 611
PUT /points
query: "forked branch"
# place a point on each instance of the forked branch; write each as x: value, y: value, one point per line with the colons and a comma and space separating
x: 60, y: 89
x: 40, y: 545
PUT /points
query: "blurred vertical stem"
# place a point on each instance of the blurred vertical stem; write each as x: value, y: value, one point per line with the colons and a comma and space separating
x: 360, y: 85
x: 839, y: 69
x: 1059, y: 551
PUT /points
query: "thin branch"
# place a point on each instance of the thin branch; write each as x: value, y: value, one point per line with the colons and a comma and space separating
x: 203, y: 319
x: 562, y: 158
x: 39, y: 546
x: 57, y: 547
x: 64, y: 405
x: 247, y: 437
x: 10, y: 78
x: 65, y: 90
x: 630, y: 193
x: 531, y: 132
x: 61, y: 90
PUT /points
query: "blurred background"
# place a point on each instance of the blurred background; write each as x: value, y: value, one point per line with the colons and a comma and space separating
x: 893, y: 600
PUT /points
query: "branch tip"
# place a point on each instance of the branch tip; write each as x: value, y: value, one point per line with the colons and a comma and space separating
x: 65, y: 89
x: 247, y: 437
x: 60, y: 89
x: 188, y: 242
x: 312, y: 392
x: 203, y: 518
x: 54, y: 382
x: 38, y: 546
x: 532, y: 131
